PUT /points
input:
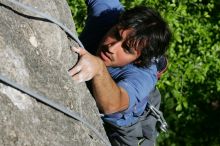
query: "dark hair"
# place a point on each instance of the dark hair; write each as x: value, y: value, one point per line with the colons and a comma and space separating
x: 151, y: 33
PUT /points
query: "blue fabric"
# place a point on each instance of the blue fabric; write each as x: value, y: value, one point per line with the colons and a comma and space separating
x: 102, y: 15
x: 138, y: 82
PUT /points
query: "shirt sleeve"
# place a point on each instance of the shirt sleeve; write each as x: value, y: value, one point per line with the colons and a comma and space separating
x: 102, y: 15
x: 97, y: 7
x: 138, y: 86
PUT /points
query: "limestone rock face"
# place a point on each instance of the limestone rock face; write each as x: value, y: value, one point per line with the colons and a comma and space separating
x: 36, y: 54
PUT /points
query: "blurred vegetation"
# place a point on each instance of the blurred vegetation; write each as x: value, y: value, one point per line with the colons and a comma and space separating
x: 191, y: 87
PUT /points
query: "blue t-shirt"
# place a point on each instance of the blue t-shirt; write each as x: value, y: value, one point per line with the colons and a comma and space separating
x: 102, y: 15
x: 138, y: 82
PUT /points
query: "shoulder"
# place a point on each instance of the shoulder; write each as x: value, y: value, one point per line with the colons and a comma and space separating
x: 133, y: 71
x: 138, y: 82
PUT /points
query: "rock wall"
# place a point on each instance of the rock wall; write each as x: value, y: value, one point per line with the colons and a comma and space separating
x: 36, y: 54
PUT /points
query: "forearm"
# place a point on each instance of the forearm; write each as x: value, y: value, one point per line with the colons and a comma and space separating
x: 109, y: 97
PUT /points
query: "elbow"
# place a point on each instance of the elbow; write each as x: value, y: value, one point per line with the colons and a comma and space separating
x: 117, y: 104
x: 111, y: 109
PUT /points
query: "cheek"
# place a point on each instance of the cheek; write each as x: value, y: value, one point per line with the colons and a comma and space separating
x: 124, y: 59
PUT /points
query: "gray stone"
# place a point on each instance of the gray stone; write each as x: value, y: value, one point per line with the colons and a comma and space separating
x: 36, y: 55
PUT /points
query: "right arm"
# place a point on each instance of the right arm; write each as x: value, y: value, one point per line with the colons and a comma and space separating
x: 110, y: 98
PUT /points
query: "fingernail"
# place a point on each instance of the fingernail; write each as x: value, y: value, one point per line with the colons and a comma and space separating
x: 80, y: 81
x: 77, y: 81
x: 73, y: 49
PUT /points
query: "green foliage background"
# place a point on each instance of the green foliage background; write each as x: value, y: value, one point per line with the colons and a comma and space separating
x: 191, y: 87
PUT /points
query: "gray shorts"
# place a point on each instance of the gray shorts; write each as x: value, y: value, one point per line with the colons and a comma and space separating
x: 142, y: 133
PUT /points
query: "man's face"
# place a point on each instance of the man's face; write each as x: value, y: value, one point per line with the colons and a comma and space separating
x: 113, y: 49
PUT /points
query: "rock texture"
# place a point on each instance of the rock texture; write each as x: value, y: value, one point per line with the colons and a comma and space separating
x: 36, y: 54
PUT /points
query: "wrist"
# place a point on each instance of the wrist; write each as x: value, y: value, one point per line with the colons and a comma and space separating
x: 101, y: 68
